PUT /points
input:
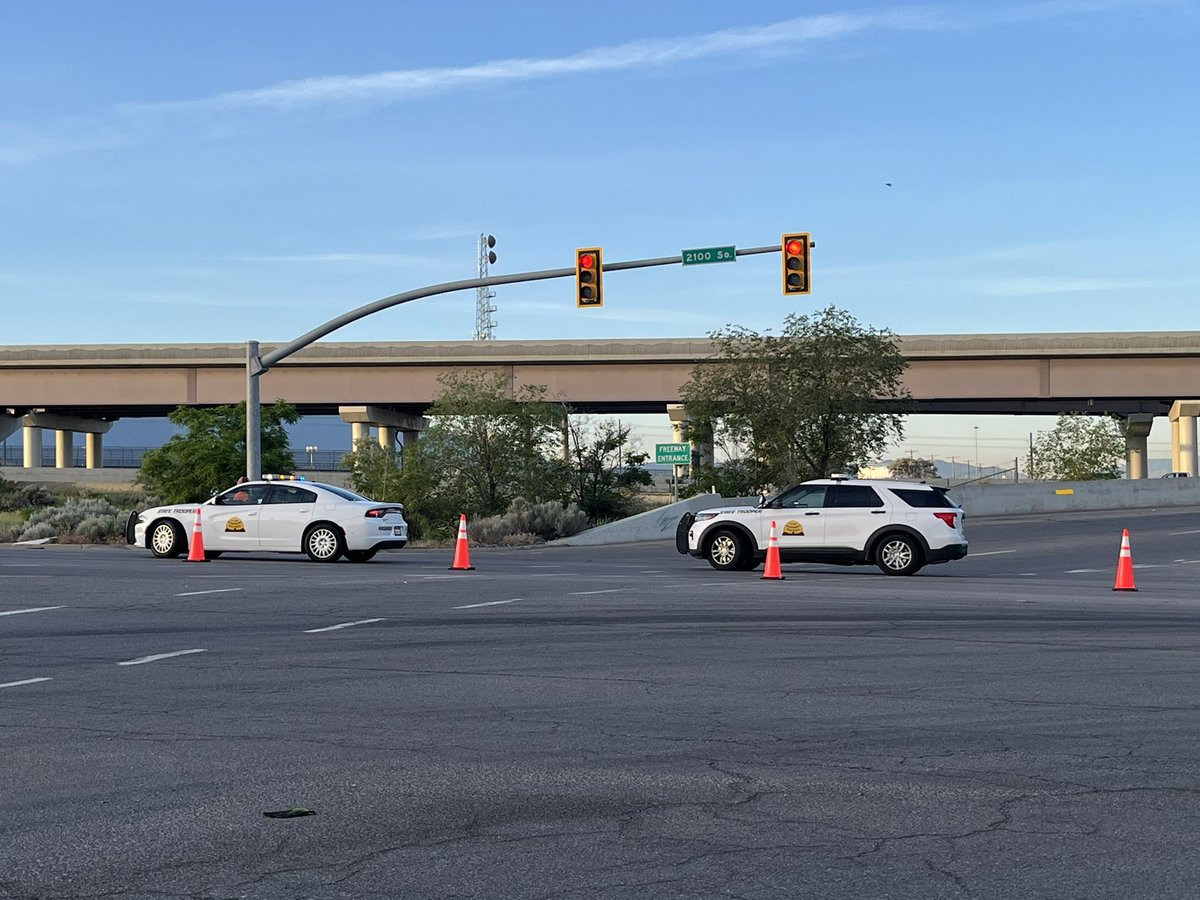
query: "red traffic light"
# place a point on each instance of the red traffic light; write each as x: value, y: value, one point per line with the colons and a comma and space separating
x: 589, y: 277
x: 796, y: 263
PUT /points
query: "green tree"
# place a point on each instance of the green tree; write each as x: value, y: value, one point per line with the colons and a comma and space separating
x: 1079, y: 448
x: 488, y: 444
x: 212, y: 453
x: 823, y: 396
x: 913, y: 468
x: 374, y: 470
x: 605, y: 468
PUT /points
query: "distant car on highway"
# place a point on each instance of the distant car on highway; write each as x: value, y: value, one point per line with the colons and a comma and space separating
x: 1176, y: 475
x: 276, y: 514
x: 898, y: 526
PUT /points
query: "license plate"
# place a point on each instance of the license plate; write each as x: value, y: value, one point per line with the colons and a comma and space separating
x: 397, y: 530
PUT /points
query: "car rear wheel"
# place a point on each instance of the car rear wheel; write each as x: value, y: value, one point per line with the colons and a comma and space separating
x: 361, y: 555
x: 725, y: 550
x: 167, y: 539
x: 324, y: 543
x: 898, y: 554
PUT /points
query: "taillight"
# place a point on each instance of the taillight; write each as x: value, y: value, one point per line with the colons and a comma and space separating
x: 948, y: 518
x: 378, y: 512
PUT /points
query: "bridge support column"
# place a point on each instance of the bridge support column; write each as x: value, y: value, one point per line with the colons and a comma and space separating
x: 1183, y: 436
x: 31, y: 437
x: 95, y: 450
x: 66, y: 426
x: 390, y: 423
x: 64, y: 449
x: 1137, y: 432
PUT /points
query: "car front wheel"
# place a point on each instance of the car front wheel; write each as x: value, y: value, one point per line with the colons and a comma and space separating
x: 898, y: 555
x: 726, y: 550
x: 324, y: 543
x: 167, y: 539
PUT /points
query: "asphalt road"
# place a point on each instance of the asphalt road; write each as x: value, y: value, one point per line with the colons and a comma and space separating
x: 616, y: 722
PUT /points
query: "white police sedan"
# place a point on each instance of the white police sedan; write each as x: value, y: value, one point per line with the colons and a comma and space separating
x: 277, y: 515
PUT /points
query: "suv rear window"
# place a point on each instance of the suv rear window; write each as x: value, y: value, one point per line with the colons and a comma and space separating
x: 924, y: 499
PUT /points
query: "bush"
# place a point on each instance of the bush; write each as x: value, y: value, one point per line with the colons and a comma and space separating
x: 11, y: 524
x: 528, y: 523
x: 37, y: 532
x: 15, y: 496
x: 91, y: 520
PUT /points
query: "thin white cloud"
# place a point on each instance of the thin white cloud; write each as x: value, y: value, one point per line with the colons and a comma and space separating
x: 131, y: 121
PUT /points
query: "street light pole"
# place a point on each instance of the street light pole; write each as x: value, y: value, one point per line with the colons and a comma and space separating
x: 978, y: 467
x: 256, y: 365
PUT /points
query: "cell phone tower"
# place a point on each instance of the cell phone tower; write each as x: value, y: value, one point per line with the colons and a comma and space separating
x: 484, y: 326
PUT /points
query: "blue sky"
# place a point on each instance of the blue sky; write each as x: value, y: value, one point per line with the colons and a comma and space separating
x: 225, y: 171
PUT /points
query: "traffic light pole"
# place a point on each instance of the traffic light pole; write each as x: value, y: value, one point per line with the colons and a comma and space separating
x: 257, y: 364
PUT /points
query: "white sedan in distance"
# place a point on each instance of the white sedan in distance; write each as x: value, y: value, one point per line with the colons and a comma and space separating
x: 279, y: 515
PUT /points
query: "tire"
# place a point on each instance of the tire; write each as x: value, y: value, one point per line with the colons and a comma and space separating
x: 749, y: 564
x: 360, y: 556
x: 898, y: 554
x: 725, y: 550
x: 324, y: 543
x: 166, y: 539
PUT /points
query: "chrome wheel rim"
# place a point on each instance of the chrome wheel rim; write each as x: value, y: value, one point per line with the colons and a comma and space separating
x: 322, y: 543
x: 162, y: 539
x: 896, y: 555
x: 724, y: 550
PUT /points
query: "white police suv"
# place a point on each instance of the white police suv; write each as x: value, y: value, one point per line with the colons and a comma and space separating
x: 278, y: 514
x: 898, y: 526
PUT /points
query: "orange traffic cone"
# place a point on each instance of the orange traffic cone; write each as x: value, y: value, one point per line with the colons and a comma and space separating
x: 1125, y: 566
x: 462, y: 553
x: 771, y: 570
x: 196, y: 549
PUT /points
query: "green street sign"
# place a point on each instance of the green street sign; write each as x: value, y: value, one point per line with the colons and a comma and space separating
x: 677, y: 454
x: 709, y: 255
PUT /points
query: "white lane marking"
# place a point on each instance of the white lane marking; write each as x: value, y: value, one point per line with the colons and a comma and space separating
x: 343, y: 625
x: 547, y: 566
x: 990, y: 553
x: 1193, y: 531
x: 213, y: 591
x: 26, y: 681
x: 586, y: 593
x: 1081, y: 571
x: 17, y: 612
x: 157, y: 656
x: 26, y: 576
x: 1149, y: 565
x: 490, y: 603
x: 233, y: 576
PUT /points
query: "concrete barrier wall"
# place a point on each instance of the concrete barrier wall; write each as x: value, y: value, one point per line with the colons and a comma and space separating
x: 655, y: 525
x: 1075, y: 496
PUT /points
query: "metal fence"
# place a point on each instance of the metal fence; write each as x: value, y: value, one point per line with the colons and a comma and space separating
x: 131, y: 458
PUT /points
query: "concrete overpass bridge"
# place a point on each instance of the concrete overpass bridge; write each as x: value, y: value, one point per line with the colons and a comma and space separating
x: 84, y: 389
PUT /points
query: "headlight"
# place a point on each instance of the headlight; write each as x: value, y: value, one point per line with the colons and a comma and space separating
x: 701, y: 516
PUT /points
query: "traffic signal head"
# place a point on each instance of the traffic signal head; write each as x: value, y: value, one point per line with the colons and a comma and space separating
x: 796, y: 269
x: 589, y: 277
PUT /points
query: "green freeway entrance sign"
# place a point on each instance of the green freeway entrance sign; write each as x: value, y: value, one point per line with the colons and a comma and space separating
x: 709, y: 255
x: 678, y: 454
